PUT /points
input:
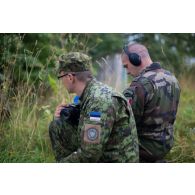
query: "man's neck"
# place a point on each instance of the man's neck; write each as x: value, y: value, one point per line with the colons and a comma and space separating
x: 79, y: 89
x: 145, y: 65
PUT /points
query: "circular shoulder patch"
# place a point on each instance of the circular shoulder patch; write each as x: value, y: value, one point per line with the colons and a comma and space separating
x: 92, y: 134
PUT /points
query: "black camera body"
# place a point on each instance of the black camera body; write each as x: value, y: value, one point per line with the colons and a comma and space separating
x: 71, y: 114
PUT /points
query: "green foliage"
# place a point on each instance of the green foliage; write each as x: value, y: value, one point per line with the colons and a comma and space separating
x: 104, y: 44
x: 184, y: 148
x: 25, y: 135
x: 53, y: 84
x: 171, y: 49
x: 29, y: 91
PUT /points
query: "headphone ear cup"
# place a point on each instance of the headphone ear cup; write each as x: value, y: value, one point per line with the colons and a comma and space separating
x: 135, y: 59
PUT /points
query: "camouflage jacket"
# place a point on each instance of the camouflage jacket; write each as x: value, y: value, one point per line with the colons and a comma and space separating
x: 106, y: 130
x: 154, y: 97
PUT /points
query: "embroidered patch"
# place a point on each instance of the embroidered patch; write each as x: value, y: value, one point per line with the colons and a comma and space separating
x: 95, y: 116
x: 92, y: 133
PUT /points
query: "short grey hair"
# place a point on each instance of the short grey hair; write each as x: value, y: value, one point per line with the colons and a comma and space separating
x: 83, y: 76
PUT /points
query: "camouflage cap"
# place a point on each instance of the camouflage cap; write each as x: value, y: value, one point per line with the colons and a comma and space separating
x: 74, y: 62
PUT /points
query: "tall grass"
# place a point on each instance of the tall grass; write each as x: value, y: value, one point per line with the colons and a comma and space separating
x: 24, y: 134
x: 31, y: 93
x: 184, y: 148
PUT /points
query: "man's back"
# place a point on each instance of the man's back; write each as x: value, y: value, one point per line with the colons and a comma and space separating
x: 109, y: 113
x: 155, y: 97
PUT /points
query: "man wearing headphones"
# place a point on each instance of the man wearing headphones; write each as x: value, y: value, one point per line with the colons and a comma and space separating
x: 154, y: 96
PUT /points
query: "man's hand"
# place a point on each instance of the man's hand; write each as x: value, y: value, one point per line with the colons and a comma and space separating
x: 58, y: 110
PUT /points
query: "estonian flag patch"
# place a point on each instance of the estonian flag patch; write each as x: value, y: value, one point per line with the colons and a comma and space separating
x: 95, y: 116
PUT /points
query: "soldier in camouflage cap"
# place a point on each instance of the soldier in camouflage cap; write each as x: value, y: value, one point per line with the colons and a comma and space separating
x: 106, y: 131
x: 154, y: 96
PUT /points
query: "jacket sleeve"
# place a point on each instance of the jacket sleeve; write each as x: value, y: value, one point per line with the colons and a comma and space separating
x: 138, y: 95
x: 96, y: 123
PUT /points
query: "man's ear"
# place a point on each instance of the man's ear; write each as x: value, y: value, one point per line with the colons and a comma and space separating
x: 72, y: 77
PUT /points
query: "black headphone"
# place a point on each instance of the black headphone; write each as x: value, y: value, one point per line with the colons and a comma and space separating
x: 134, y: 58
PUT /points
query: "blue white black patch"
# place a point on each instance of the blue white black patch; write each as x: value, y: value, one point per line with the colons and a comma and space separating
x: 95, y: 116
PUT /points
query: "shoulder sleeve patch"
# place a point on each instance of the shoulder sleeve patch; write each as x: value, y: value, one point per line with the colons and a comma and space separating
x: 92, y: 133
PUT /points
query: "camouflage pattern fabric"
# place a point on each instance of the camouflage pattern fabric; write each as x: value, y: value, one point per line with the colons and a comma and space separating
x: 74, y: 62
x: 106, y: 130
x: 154, y: 97
x: 63, y: 138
